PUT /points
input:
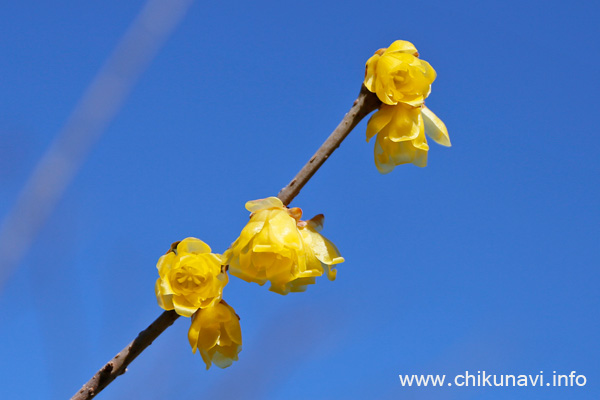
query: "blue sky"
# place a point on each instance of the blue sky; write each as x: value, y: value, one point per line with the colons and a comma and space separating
x: 487, y: 259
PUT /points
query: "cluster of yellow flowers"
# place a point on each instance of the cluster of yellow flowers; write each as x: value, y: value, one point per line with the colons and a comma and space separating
x: 402, y: 81
x: 275, y: 246
x: 191, y: 281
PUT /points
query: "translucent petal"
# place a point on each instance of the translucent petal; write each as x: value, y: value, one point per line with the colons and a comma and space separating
x: 389, y: 154
x: 283, y: 230
x: 252, y: 228
x: 192, y: 245
x: 261, y: 204
x: 435, y: 128
x: 323, y: 248
x: 222, y: 361
x: 382, y: 159
x: 420, y: 158
x: 164, y: 263
x: 213, y: 259
x: 316, y: 223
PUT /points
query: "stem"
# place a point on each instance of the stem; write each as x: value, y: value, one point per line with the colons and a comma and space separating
x: 118, y: 365
x: 363, y: 105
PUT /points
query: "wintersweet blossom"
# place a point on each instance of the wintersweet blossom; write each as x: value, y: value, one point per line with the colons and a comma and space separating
x: 402, y: 82
x: 397, y: 75
x: 401, y: 133
x: 216, y: 332
x: 191, y: 277
x: 273, y: 248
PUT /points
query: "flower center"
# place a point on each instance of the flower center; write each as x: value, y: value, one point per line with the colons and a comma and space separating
x: 188, y: 278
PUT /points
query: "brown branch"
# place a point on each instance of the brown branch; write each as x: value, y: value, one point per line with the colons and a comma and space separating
x: 363, y: 105
x: 118, y: 365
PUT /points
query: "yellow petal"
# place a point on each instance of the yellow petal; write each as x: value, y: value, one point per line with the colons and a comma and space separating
x: 283, y: 230
x: 382, y: 159
x: 420, y: 158
x: 402, y: 46
x: 415, y: 101
x: 164, y: 301
x: 385, y: 68
x: 192, y: 245
x: 435, y: 128
x: 379, y: 120
x: 420, y: 142
x: 300, y: 284
x: 323, y: 248
x: 254, y: 226
x: 208, y: 335
x: 183, y: 307
x: 164, y: 263
x: 429, y: 73
x: 232, y: 325
x: 370, y: 67
x: 206, y: 357
x: 405, y: 123
x: 389, y: 154
x: 262, y: 204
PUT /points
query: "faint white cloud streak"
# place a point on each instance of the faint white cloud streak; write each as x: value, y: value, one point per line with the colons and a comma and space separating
x: 96, y: 109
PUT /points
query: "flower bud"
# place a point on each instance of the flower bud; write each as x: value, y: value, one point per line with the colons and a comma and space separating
x: 215, y: 331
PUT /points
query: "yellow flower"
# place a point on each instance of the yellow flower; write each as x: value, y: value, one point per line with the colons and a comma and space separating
x: 190, y: 278
x: 271, y: 248
x: 215, y: 331
x: 401, y: 132
x: 321, y: 247
x: 396, y: 75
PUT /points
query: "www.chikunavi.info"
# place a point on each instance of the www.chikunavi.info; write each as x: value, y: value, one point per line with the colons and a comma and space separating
x: 482, y: 378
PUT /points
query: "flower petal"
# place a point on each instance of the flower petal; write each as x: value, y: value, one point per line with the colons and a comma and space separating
x: 379, y: 120
x: 382, y: 159
x: 370, y: 67
x: 435, y: 128
x: 389, y: 154
x: 402, y: 46
x: 164, y: 301
x: 183, y: 307
x: 192, y: 245
x: 164, y: 263
x: 323, y: 248
x: 316, y: 223
x: 263, y: 204
x: 405, y: 123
